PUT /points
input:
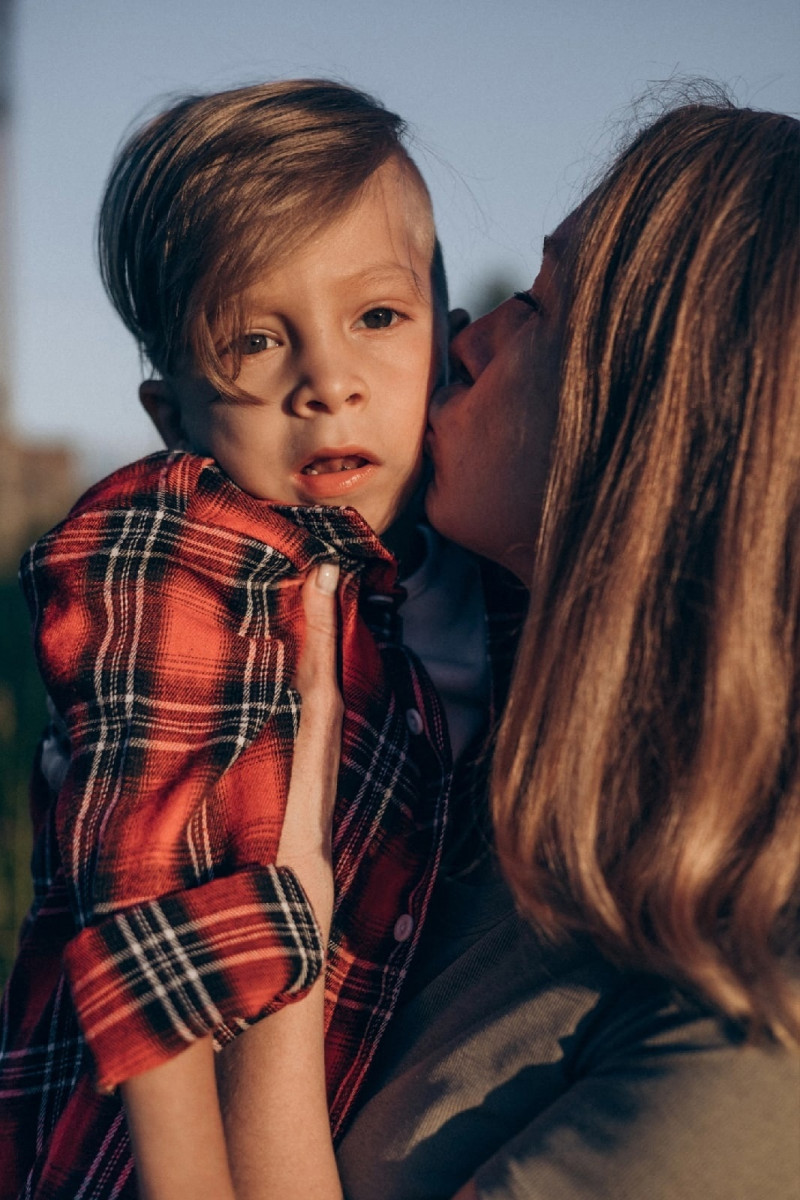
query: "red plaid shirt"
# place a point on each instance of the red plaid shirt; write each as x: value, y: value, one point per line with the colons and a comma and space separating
x: 167, y: 620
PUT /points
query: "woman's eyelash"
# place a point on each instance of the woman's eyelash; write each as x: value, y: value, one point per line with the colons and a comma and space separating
x: 528, y: 299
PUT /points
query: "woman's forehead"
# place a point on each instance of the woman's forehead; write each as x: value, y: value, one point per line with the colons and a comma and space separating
x: 557, y: 243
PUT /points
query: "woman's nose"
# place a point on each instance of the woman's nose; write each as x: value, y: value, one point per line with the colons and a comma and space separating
x: 330, y: 377
x: 474, y: 347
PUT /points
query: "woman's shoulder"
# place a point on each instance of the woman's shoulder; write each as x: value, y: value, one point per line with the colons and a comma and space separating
x: 550, y: 1071
x: 660, y: 1097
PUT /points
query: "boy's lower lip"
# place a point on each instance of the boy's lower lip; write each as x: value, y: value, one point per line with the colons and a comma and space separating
x: 332, y: 484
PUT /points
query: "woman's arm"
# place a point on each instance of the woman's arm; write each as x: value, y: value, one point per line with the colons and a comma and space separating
x: 272, y: 1078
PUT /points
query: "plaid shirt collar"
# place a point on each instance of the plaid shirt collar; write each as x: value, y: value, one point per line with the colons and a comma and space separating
x: 197, y: 489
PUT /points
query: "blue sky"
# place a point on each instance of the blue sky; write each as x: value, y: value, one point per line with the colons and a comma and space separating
x: 512, y: 103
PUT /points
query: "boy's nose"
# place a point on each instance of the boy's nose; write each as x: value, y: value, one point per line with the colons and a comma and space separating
x: 327, y: 382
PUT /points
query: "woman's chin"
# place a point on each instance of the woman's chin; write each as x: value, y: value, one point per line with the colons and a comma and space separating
x: 456, y: 519
x: 447, y: 519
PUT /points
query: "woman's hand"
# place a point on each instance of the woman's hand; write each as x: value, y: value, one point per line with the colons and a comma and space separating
x: 305, y: 843
x: 272, y: 1078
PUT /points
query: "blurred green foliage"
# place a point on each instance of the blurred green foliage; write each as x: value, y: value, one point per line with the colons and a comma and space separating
x: 22, y: 718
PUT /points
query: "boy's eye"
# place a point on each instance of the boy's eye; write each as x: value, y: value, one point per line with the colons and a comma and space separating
x: 255, y: 343
x: 380, y: 318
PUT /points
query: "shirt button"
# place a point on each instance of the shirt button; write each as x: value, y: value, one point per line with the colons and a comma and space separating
x: 414, y: 721
x: 403, y: 927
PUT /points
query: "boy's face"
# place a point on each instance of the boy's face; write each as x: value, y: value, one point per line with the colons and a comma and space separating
x: 338, y: 359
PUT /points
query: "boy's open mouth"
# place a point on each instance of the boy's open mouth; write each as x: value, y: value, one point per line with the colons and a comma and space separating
x: 333, y: 473
x: 327, y: 466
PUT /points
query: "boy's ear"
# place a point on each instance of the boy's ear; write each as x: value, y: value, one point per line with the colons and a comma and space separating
x: 161, y: 405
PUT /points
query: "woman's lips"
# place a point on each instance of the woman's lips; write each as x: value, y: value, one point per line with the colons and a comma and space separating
x: 335, y: 472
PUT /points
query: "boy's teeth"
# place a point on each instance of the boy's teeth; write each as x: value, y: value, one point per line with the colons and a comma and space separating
x: 327, y: 466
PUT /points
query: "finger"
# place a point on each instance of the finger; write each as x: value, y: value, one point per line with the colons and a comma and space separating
x: 305, y: 842
x: 326, y: 577
x: 317, y: 666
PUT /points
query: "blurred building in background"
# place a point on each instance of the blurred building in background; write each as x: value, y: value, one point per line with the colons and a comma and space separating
x: 38, y: 479
x: 38, y: 483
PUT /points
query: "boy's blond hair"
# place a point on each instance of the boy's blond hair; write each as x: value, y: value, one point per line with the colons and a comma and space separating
x: 219, y: 188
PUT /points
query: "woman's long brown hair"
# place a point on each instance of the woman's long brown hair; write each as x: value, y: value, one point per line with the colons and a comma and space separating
x: 647, y: 777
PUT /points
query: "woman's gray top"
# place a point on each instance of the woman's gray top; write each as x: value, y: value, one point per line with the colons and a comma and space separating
x: 553, y: 1076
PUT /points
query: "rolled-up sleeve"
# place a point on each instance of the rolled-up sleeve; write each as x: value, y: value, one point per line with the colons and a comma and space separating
x: 151, y: 979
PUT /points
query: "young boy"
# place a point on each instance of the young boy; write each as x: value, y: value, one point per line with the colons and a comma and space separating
x: 273, y: 251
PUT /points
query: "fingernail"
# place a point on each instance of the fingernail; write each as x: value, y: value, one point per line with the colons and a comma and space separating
x: 328, y: 577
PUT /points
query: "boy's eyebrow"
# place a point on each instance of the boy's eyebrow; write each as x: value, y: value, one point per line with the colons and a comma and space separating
x: 384, y: 276
x: 380, y: 273
x: 381, y: 276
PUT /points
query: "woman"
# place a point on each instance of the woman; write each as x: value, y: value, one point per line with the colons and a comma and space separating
x: 641, y: 1038
x: 630, y: 430
x: 646, y: 782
